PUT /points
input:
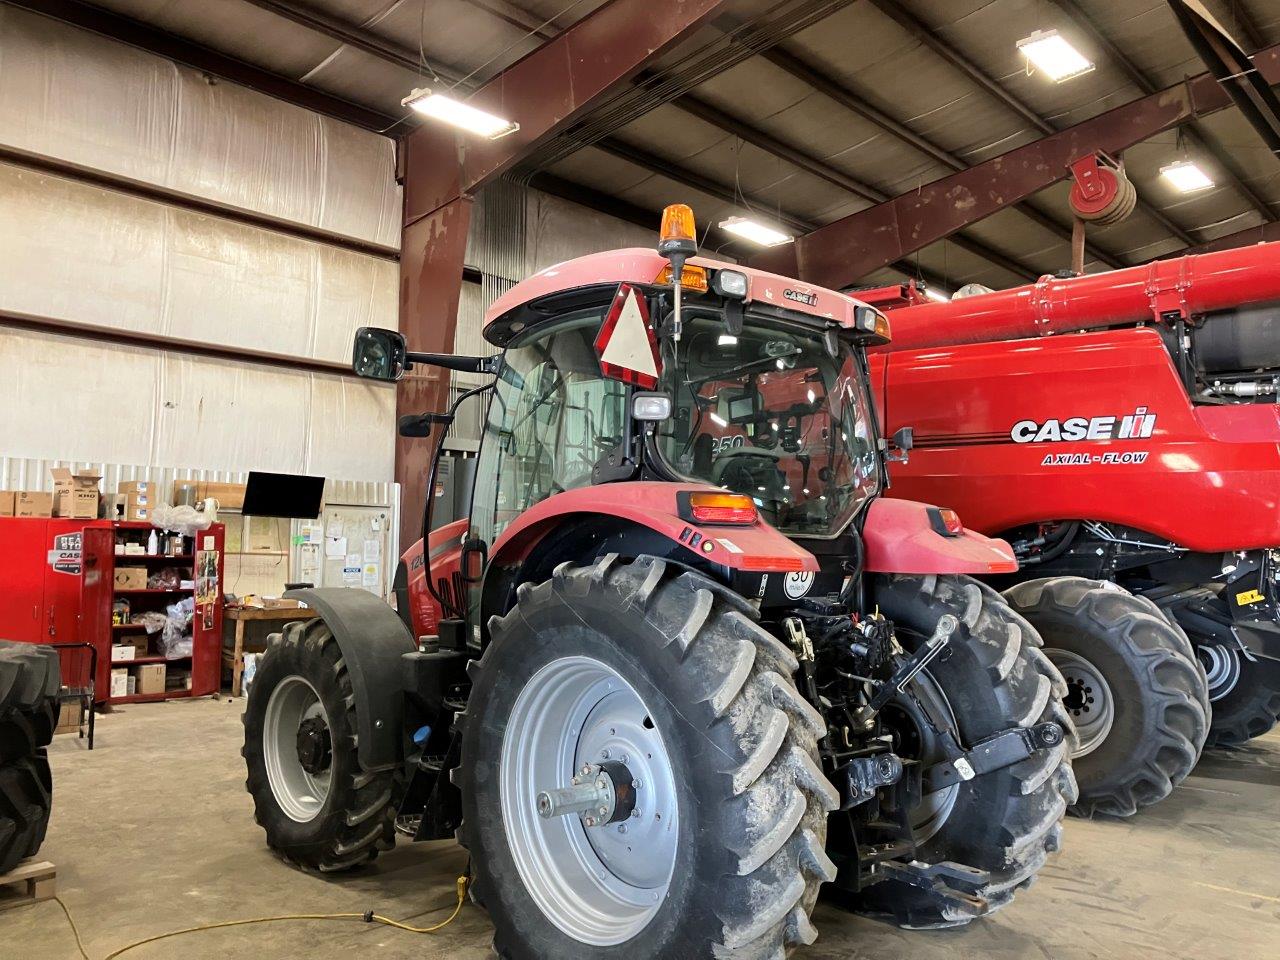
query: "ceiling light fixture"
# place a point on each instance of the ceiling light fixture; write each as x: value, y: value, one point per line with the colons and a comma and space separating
x: 1185, y: 177
x: 755, y: 232
x: 1053, y: 56
x: 456, y: 113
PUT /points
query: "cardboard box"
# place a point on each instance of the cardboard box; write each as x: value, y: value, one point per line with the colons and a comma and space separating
x: 131, y: 578
x: 128, y: 488
x: 230, y: 496
x: 112, y: 506
x: 131, y: 684
x: 75, y: 495
x: 280, y: 603
x: 33, y: 503
x: 7, y: 498
x: 150, y: 677
x: 120, y: 682
x: 137, y: 507
x: 120, y: 653
x: 69, y: 718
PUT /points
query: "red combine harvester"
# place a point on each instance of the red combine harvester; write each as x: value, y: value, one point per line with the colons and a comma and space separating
x: 1116, y: 429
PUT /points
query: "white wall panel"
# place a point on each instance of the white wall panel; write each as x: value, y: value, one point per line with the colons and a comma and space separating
x: 62, y: 396
x: 236, y: 415
x: 352, y: 428
x: 71, y: 95
x: 72, y: 251
x: 559, y: 230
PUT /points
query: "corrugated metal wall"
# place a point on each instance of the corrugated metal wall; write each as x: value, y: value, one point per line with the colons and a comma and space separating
x: 76, y: 252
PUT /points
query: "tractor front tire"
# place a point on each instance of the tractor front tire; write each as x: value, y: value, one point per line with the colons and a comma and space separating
x: 667, y: 672
x: 1136, y: 691
x: 320, y: 808
x: 991, y: 677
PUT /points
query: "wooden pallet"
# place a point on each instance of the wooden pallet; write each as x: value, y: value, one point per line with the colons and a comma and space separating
x: 29, y: 882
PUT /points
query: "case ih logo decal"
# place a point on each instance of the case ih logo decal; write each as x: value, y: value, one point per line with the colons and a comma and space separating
x: 66, y: 552
x: 799, y: 296
x: 1134, y: 426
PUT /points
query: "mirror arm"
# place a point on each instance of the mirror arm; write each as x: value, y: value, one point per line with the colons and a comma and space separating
x: 450, y: 362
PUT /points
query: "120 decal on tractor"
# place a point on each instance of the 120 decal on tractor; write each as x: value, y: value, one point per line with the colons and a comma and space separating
x: 1121, y: 430
x: 682, y: 665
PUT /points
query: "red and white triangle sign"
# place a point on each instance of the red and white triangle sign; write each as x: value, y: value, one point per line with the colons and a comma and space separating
x: 626, y: 345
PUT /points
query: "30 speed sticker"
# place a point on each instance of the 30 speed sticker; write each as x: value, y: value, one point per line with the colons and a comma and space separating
x: 1084, y: 459
x: 1248, y: 597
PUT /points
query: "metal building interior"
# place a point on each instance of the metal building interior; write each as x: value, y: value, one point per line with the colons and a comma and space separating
x: 202, y: 202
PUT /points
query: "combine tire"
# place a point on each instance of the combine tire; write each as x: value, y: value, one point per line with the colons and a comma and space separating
x: 991, y: 678
x: 26, y: 796
x: 665, y: 673
x: 1136, y: 692
x: 320, y: 808
x: 29, y: 683
x: 1244, y: 695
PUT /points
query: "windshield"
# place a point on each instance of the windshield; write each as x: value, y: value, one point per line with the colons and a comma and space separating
x: 769, y: 413
x: 553, y: 417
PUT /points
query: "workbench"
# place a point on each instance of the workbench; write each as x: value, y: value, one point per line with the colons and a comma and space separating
x: 243, y: 615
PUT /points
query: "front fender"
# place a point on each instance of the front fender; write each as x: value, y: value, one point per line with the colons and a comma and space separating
x: 900, y: 539
x: 752, y: 548
x: 372, y: 639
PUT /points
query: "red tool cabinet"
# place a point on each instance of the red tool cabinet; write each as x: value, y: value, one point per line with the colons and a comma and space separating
x: 40, y: 579
x: 200, y: 562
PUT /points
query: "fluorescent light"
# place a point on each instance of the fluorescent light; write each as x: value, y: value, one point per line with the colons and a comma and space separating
x: 458, y: 114
x: 936, y: 295
x: 1053, y: 56
x: 755, y: 232
x: 1186, y: 177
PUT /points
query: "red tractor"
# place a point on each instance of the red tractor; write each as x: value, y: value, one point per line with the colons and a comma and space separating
x: 1117, y: 429
x: 660, y: 685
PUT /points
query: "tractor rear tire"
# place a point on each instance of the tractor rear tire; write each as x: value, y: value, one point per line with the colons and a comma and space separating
x: 26, y: 798
x: 994, y: 677
x: 1246, y: 696
x: 320, y: 808
x: 29, y: 682
x: 732, y: 813
x: 1137, y: 693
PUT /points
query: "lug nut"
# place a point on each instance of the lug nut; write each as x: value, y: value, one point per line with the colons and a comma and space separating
x: 604, y: 754
x: 590, y: 821
x: 622, y: 828
x: 637, y: 784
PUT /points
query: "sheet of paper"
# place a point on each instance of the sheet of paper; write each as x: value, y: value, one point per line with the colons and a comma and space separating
x: 370, y: 576
x: 335, y: 548
x: 372, y: 551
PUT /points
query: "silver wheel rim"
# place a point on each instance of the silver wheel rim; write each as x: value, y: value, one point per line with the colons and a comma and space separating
x: 600, y: 885
x: 300, y: 793
x: 934, y: 809
x: 1222, y: 668
x: 1088, y: 700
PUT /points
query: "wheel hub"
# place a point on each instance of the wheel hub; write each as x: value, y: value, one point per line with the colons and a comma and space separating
x: 1088, y: 700
x: 580, y: 739
x: 1222, y: 668
x: 315, y: 749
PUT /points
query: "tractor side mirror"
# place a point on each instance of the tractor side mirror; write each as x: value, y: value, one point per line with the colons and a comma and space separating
x: 901, y: 444
x: 379, y: 354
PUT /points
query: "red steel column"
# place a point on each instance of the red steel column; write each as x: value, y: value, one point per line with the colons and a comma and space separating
x: 432, y: 249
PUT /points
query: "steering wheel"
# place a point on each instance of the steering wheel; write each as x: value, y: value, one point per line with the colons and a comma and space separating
x: 727, y: 457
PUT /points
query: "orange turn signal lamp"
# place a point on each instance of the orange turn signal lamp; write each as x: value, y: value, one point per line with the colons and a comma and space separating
x: 721, y: 508
x: 945, y: 522
x: 691, y: 278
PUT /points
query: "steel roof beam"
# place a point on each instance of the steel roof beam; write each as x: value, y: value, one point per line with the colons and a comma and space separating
x: 921, y: 32
x: 839, y: 253
x: 846, y: 98
x: 824, y: 171
x: 1192, y: 132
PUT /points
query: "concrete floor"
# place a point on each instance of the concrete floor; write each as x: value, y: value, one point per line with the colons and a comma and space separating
x: 153, y: 831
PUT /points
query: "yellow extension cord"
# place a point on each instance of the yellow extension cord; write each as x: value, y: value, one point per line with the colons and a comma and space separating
x: 369, y: 917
